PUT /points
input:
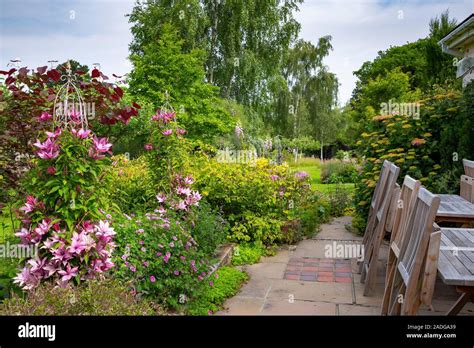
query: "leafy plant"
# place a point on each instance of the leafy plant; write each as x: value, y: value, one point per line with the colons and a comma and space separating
x: 247, y: 254
x: 96, y: 297
x: 226, y: 282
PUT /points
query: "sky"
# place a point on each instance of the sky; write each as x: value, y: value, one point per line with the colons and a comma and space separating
x: 97, y: 31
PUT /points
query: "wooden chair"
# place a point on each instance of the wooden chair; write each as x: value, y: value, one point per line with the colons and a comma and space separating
x: 468, y: 167
x: 407, y: 198
x: 415, y: 275
x: 375, y: 230
x: 467, y: 188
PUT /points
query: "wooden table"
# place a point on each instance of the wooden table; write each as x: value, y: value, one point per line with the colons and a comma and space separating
x: 456, y: 263
x: 454, y: 208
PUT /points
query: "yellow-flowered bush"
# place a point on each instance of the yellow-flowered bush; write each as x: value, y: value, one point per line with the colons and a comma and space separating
x: 421, y: 146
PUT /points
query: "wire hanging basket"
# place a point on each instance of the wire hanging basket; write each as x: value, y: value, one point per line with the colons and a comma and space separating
x: 69, y: 106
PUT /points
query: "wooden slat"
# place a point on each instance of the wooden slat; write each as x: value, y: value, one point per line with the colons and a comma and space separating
x: 456, y: 270
x: 431, y: 268
x: 455, y: 206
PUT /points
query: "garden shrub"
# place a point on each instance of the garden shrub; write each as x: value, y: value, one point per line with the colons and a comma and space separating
x: 157, y: 251
x: 226, y: 282
x: 258, y: 199
x: 96, y: 297
x: 338, y: 172
x: 131, y: 186
x: 413, y: 144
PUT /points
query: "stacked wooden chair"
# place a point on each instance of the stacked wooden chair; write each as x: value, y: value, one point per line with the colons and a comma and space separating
x: 382, y: 199
x: 412, y: 266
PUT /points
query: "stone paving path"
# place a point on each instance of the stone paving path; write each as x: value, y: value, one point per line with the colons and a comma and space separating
x: 302, y: 280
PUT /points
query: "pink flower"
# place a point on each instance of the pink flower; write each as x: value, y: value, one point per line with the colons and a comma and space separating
x: 30, y: 205
x: 148, y: 147
x: 167, y: 132
x: 48, y: 149
x: 44, y: 117
x: 54, y: 135
x: 104, y: 231
x: 152, y: 279
x: 26, y: 279
x: 274, y: 177
x: 239, y: 131
x: 81, y: 133
x: 101, y: 145
x: 68, y: 273
x: 188, y: 180
x: 301, y: 175
x: 51, y: 170
x: 180, y: 131
x: 77, y: 244
x: 176, y: 273
x: 133, y: 269
x: 216, y: 276
x: 210, y: 312
x: 167, y: 257
x: 161, y: 197
x: 146, y: 263
x: 211, y: 283
x: 74, y: 115
x: 171, y: 244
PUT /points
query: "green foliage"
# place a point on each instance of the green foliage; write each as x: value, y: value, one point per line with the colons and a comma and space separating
x: 131, y: 186
x: 413, y: 144
x: 338, y: 172
x: 95, y: 297
x: 258, y: 199
x: 209, y: 228
x: 163, y: 66
x: 226, y: 282
x: 247, y: 254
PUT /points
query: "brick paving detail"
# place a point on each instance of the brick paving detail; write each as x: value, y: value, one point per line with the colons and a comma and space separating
x: 319, y: 270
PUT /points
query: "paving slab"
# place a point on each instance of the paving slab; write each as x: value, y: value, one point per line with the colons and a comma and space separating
x: 311, y: 291
x: 240, y: 305
x: 297, y: 307
x: 266, y: 270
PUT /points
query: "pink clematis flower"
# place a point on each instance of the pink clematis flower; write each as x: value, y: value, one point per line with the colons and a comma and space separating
x: 81, y: 133
x: 48, y: 149
x: 101, y: 145
x: 44, y: 117
x: 30, y: 205
x: 167, y: 132
x: 51, y: 170
x: 180, y: 131
x: 68, y: 273
x: 188, y: 180
x: 54, y: 135
x: 152, y: 279
x: 167, y: 257
x: 148, y: 147
x: 25, y: 279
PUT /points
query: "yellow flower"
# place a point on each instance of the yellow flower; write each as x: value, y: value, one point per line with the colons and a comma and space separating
x: 400, y: 160
x: 406, y: 126
x: 365, y: 135
x: 362, y: 203
x: 427, y: 135
x: 418, y: 142
x: 436, y: 166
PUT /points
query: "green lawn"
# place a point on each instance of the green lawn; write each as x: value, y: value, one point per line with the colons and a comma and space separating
x: 312, y: 166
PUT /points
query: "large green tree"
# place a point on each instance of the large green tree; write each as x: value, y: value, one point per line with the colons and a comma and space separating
x: 164, y: 67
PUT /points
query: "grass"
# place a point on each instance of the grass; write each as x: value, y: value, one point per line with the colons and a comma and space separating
x: 312, y: 166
